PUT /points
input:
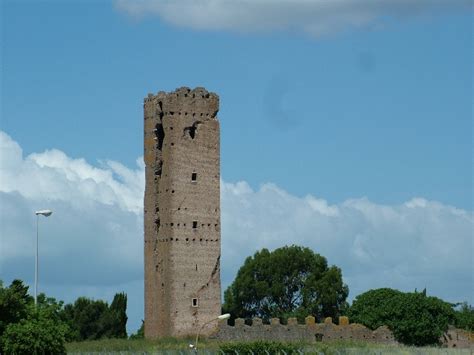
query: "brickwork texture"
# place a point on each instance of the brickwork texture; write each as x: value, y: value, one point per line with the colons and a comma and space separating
x: 182, y: 212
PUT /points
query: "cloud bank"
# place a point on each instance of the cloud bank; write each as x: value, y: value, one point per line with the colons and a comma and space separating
x: 313, y: 17
x: 92, y: 244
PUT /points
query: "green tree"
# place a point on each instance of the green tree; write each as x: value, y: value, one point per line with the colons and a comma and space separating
x: 38, y: 334
x: 85, y: 316
x: 14, y: 302
x: 114, y: 320
x: 290, y: 281
x: 374, y: 308
x: 94, y: 319
x: 414, y: 318
x: 464, y: 316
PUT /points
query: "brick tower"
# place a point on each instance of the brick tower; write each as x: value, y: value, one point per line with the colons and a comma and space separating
x: 182, y: 212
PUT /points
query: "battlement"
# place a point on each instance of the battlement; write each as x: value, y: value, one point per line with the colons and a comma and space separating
x: 184, y: 101
x: 310, y: 331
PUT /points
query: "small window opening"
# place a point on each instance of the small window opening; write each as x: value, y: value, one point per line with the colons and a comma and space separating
x: 195, y: 224
x: 196, y: 267
x: 195, y: 302
x: 193, y: 177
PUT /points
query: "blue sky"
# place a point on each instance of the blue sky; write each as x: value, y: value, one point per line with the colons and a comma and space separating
x: 358, y: 113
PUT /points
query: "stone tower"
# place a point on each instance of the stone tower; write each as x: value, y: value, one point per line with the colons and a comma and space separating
x: 182, y: 212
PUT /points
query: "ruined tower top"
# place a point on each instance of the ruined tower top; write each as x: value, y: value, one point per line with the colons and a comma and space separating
x: 199, y: 100
x: 182, y: 212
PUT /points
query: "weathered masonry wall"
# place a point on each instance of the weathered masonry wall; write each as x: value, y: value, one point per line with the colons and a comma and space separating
x: 325, y: 332
x: 308, y: 332
x: 182, y: 212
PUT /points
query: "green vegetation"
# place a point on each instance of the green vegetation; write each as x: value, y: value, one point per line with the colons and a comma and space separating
x: 38, y: 334
x: 464, y: 317
x: 260, y: 348
x: 174, y: 346
x: 94, y: 319
x: 289, y: 282
x: 44, y: 328
x: 413, y: 317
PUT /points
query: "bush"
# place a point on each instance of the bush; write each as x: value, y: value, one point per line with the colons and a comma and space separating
x: 414, y: 318
x: 259, y: 348
x: 465, y: 317
x: 36, y: 335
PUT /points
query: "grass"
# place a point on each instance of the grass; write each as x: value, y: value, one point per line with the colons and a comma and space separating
x: 181, y: 346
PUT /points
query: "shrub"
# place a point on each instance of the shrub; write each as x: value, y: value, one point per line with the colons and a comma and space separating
x: 36, y: 335
x: 465, y: 317
x: 259, y: 348
x: 414, y: 318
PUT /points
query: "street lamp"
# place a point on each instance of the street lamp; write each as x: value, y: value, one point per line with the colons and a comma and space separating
x: 221, y: 317
x: 45, y: 213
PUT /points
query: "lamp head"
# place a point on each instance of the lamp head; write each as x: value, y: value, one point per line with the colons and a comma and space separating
x: 45, y: 213
x: 224, y: 316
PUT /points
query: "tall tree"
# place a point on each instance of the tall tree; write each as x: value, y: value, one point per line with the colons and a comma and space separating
x: 14, y: 302
x: 114, y: 321
x: 290, y: 281
x: 413, y: 317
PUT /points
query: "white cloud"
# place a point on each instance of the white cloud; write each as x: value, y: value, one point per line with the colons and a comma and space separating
x: 314, y: 17
x: 93, y: 243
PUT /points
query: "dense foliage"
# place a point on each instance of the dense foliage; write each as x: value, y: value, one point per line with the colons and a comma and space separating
x: 414, y: 317
x: 26, y: 328
x: 38, y: 334
x: 94, y: 319
x: 290, y: 281
x: 464, y: 317
x: 259, y: 348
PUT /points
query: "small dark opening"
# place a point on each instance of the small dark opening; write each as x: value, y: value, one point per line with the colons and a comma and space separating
x: 194, y: 177
x: 195, y: 302
x: 195, y: 224
x: 318, y: 337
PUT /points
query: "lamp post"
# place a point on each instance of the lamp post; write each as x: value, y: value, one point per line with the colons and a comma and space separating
x: 221, y: 317
x: 45, y: 213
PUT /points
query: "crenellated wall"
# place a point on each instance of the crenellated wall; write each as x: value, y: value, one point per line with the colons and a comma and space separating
x: 323, y: 332
x: 308, y: 332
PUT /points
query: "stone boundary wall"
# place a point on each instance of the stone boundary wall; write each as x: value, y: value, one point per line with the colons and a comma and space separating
x: 308, y: 332
x: 327, y: 331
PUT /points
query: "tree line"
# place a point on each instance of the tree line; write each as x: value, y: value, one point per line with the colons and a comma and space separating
x: 291, y: 281
x: 26, y: 328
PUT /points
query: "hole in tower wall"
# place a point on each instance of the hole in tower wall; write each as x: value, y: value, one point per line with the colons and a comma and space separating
x: 193, y: 177
x: 160, y: 135
x: 195, y: 224
x: 192, y: 130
